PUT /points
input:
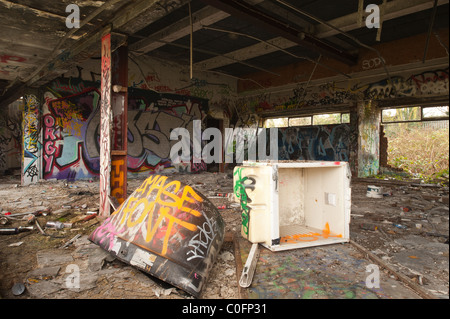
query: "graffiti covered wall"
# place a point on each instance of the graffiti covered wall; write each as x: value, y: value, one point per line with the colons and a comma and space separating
x: 428, y: 83
x: 320, y: 143
x: 11, y: 137
x: 71, y: 129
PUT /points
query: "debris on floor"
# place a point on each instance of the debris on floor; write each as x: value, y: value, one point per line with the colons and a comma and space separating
x: 45, y: 262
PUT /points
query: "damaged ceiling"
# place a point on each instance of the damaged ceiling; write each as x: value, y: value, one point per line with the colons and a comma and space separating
x: 234, y: 38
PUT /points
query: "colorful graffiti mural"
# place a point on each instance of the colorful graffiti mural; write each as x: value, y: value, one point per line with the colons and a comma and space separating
x: 71, y: 129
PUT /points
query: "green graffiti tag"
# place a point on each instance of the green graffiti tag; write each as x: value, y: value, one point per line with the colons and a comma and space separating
x: 240, y: 192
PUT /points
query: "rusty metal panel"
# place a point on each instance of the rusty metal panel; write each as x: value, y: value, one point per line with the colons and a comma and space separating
x: 105, y: 128
x: 119, y: 126
x: 167, y: 229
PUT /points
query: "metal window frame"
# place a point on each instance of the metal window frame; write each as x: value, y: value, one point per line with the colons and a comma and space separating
x: 422, y: 119
x: 306, y: 116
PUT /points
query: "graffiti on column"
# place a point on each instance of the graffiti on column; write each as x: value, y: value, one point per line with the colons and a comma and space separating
x: 31, y: 145
x: 105, y: 127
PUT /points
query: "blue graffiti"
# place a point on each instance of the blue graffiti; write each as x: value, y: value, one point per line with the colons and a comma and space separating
x: 320, y: 143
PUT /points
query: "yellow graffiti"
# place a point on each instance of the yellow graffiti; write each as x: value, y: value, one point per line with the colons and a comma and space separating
x: 311, y: 236
x: 138, y: 208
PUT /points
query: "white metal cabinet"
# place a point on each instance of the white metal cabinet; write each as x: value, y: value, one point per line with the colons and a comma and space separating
x: 287, y: 205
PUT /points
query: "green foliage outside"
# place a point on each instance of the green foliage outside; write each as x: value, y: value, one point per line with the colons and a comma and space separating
x: 420, y: 149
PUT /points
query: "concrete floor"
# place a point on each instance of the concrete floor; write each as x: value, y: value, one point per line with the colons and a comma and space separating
x: 417, y: 251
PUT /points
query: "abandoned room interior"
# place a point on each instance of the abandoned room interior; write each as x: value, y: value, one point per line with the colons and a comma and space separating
x: 211, y: 149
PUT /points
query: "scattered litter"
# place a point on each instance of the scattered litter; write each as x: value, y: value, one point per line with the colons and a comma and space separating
x: 374, y: 191
x: 16, y: 244
x: 160, y: 291
x: 233, y: 205
x: 70, y: 241
x: 220, y: 194
x: 29, y: 218
x: 3, y: 221
x: 57, y: 225
x: 18, y: 289
x: 13, y: 231
x: 367, y: 226
x: 249, y: 267
x: 230, y: 272
x: 226, y: 256
x: 399, y: 226
x: 229, y: 196
x: 114, y: 203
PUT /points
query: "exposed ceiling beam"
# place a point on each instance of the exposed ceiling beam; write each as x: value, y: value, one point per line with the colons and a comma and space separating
x: 178, y: 30
x: 247, y: 53
x: 124, y: 17
x: 86, y: 47
x: 394, y: 9
x: 203, y: 17
x: 306, y: 26
x: 37, y: 12
x: 253, y: 15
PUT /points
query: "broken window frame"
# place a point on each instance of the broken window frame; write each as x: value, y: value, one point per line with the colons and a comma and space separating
x: 421, y: 118
x: 344, y: 118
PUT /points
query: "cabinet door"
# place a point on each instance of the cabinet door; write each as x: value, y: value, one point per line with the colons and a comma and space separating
x: 254, y: 190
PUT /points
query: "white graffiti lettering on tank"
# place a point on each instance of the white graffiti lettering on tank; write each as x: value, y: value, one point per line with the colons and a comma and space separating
x: 201, y: 242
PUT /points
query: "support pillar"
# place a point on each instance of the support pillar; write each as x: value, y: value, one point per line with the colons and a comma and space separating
x: 31, y: 143
x: 120, y: 127
x: 369, y: 121
x: 105, y: 128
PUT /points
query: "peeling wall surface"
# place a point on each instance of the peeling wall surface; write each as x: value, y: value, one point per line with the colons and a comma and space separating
x: 71, y: 128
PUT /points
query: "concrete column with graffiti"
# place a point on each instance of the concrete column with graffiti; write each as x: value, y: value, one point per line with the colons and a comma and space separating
x: 369, y: 119
x: 120, y: 126
x: 32, y: 144
x: 105, y: 128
